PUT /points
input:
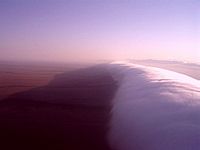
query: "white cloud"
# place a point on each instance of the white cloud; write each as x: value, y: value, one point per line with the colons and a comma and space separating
x: 154, y: 109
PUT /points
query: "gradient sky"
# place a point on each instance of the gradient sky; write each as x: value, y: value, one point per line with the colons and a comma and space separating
x: 65, y: 30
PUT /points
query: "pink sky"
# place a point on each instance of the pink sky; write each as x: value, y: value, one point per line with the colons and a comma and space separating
x: 99, y: 29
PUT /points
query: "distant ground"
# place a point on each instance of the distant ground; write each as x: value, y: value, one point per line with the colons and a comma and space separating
x: 18, y: 77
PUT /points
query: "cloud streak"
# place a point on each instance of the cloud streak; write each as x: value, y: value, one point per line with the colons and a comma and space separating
x: 154, y: 109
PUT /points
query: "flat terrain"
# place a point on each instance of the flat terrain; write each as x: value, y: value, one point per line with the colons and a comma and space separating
x: 18, y: 77
x: 55, y: 108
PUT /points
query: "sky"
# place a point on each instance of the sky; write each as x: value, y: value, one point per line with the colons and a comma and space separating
x: 88, y: 30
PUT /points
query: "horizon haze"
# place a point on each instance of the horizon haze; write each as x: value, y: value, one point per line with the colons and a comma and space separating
x: 90, y: 30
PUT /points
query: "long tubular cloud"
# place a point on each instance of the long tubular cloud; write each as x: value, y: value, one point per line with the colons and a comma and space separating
x: 154, y: 109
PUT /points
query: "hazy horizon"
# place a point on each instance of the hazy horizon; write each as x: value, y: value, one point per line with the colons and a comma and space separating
x: 93, y: 30
x: 100, y: 74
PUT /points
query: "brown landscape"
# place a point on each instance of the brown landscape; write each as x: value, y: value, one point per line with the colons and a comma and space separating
x: 17, y: 77
x: 45, y: 107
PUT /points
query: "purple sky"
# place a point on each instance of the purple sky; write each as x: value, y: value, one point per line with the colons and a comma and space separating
x: 65, y: 30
